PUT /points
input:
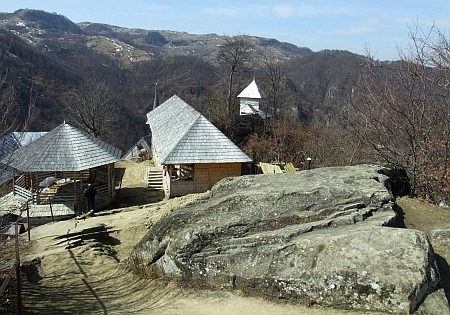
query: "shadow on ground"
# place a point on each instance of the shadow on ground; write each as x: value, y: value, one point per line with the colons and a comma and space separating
x: 138, y: 196
x: 88, y: 296
x: 444, y: 270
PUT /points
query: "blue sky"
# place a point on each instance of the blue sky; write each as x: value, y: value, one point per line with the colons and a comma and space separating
x: 324, y: 24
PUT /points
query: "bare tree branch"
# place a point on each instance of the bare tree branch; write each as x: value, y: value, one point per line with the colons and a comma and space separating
x: 93, y: 107
x: 234, y: 53
x: 402, y: 111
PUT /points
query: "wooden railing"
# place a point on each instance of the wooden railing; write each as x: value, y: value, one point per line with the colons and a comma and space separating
x: 15, y: 269
x: 56, y: 197
x: 102, y: 190
x: 20, y: 180
x: 59, y: 193
x: 20, y: 190
x: 23, y: 192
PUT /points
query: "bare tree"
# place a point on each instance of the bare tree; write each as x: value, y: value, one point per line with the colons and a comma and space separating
x: 275, y: 77
x: 403, y: 112
x: 283, y: 142
x: 333, y: 142
x: 216, y: 114
x: 8, y: 120
x: 92, y: 106
x: 8, y: 108
x: 234, y: 53
x: 14, y: 117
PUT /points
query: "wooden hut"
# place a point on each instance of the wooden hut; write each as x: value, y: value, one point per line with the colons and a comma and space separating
x: 58, y: 166
x: 190, y: 151
x: 8, y: 144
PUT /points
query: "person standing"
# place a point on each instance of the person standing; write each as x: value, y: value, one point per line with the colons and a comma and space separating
x: 89, y: 194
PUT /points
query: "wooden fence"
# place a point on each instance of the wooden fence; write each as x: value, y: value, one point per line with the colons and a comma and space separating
x: 62, y: 193
x: 15, y: 269
x: 20, y: 190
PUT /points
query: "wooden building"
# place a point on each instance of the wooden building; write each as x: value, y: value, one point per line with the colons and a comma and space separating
x: 190, y: 151
x: 133, y: 153
x: 57, y: 167
x: 253, y: 111
x: 8, y: 144
x: 251, y: 101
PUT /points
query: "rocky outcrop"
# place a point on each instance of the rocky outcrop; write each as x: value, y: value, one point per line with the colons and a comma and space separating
x: 324, y: 236
x: 441, y: 235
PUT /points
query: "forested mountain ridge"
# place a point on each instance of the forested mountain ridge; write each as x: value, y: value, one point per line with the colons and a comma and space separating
x: 133, y: 44
x: 51, y: 54
x: 337, y: 107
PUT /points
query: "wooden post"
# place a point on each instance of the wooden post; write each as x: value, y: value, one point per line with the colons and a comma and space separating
x: 28, y: 220
x: 18, y: 279
x: 109, y: 180
x: 79, y: 191
x: 35, y: 181
x: 30, y: 176
x: 74, y: 176
x: 14, y: 182
x: 51, y: 208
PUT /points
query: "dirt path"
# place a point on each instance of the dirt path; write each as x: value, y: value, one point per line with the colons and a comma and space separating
x: 91, y: 278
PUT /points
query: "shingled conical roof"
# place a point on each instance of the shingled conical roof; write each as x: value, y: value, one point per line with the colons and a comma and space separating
x: 183, y: 136
x: 65, y: 148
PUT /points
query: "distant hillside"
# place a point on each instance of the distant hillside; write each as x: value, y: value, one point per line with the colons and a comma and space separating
x: 133, y: 44
x: 52, y: 54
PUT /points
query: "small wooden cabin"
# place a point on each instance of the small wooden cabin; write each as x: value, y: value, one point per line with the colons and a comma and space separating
x: 57, y: 167
x: 190, y: 151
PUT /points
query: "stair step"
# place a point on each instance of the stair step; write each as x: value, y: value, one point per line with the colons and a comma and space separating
x: 155, y: 179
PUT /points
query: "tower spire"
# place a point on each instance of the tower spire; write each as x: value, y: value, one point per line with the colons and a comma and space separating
x: 156, y: 100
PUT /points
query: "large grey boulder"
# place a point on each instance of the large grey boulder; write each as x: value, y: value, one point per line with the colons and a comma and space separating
x: 322, y: 236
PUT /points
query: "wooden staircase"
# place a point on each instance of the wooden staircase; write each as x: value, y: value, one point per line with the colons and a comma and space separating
x: 155, y: 179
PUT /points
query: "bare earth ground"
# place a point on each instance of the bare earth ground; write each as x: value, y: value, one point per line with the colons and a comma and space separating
x: 91, y: 279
